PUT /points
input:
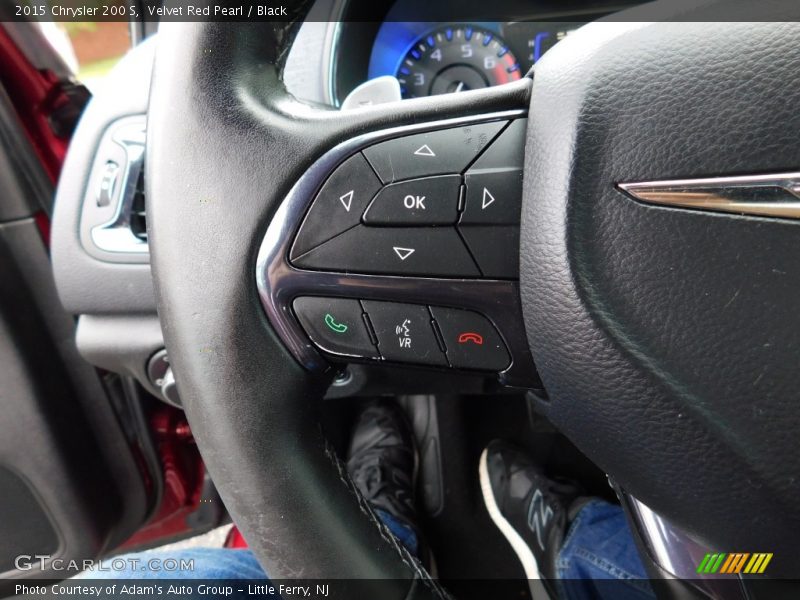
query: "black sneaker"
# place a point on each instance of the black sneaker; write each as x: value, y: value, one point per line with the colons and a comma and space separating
x: 530, y: 510
x: 382, y: 460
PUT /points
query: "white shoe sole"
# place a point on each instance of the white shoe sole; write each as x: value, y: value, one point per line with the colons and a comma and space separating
x: 520, y: 547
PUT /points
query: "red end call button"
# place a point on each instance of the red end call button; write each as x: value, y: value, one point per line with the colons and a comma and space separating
x: 472, y: 341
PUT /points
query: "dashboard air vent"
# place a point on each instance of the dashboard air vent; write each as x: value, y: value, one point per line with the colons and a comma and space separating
x: 138, y: 212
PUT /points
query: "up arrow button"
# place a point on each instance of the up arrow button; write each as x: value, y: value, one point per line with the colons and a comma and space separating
x: 439, y: 152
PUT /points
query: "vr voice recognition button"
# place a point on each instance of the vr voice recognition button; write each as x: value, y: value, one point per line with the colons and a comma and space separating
x: 405, y: 333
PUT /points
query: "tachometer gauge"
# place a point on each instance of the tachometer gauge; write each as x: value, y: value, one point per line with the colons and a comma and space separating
x: 456, y: 58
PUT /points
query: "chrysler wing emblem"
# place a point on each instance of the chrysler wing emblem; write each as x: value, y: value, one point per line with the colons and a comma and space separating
x: 762, y: 195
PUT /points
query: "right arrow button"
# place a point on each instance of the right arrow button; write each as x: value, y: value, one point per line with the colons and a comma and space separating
x: 493, y: 197
x: 494, y: 181
x: 488, y: 199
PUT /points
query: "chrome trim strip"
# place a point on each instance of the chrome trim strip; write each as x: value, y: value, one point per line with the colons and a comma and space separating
x: 279, y: 282
x: 675, y: 551
x: 761, y: 195
x: 331, y: 49
x: 116, y: 235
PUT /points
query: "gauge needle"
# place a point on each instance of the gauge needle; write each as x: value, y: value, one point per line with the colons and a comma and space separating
x: 459, y: 87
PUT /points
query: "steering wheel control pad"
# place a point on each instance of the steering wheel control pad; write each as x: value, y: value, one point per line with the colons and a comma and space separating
x: 445, y: 185
x: 419, y: 224
x: 403, y: 333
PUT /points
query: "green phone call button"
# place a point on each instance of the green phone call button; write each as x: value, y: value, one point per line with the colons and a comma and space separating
x: 335, y: 325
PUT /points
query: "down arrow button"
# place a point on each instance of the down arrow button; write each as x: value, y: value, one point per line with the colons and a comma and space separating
x: 424, y: 251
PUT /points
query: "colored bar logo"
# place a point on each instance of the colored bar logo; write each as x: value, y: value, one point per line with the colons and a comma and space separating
x: 734, y: 563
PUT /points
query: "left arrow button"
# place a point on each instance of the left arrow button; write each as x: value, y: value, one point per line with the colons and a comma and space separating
x: 339, y: 204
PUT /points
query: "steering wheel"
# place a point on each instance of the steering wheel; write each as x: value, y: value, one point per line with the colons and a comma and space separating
x: 666, y: 332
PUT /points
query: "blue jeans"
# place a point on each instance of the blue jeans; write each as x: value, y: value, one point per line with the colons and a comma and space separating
x: 598, y: 550
x: 599, y: 558
x: 218, y: 563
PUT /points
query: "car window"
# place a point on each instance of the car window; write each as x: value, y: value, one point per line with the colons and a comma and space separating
x: 89, y: 49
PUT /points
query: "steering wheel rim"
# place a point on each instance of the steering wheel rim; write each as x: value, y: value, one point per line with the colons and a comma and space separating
x: 219, y: 114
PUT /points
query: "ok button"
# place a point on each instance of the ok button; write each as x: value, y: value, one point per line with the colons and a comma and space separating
x: 426, y: 201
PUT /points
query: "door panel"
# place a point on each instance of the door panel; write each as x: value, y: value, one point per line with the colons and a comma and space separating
x: 71, y: 486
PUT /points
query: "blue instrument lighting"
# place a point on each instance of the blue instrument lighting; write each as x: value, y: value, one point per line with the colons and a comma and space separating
x: 537, y: 44
x: 418, y: 52
x: 396, y: 38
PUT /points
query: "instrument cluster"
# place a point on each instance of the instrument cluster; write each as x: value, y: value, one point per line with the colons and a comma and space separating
x: 439, y: 58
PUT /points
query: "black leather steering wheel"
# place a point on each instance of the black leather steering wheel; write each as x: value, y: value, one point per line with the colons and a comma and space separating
x: 667, y: 339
